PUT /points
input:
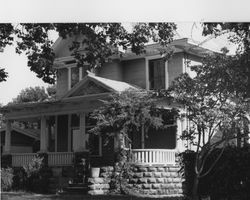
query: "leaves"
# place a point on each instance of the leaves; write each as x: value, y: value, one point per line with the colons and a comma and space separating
x: 32, y: 94
x: 127, y: 112
x: 98, y: 43
x: 3, y: 75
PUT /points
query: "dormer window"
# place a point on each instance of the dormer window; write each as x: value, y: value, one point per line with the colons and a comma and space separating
x: 156, y: 73
x: 75, y: 74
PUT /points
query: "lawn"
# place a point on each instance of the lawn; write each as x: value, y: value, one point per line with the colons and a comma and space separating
x: 29, y: 196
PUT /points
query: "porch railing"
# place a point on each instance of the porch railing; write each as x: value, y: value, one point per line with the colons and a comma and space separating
x: 60, y: 158
x: 153, y: 156
x: 54, y: 158
x: 21, y: 159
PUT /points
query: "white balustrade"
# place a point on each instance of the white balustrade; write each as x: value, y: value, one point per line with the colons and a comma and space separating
x: 153, y: 156
x: 21, y: 159
x: 60, y: 158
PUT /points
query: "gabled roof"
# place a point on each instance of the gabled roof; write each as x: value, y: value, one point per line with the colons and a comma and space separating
x: 28, y: 132
x: 104, y: 84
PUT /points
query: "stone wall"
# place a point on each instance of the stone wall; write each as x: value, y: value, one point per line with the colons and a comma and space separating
x: 100, y: 185
x: 157, y: 180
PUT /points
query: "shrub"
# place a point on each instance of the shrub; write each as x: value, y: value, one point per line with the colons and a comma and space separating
x: 37, y: 176
x: 6, y: 179
x: 19, y: 179
x: 230, y: 178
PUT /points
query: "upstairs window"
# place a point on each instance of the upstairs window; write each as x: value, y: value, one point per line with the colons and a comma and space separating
x: 157, y: 79
x: 75, y: 76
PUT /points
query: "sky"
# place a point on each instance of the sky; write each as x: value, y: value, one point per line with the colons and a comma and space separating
x: 20, y: 76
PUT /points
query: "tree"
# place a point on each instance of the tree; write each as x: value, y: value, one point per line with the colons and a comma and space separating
x: 31, y: 94
x: 125, y: 113
x: 215, y: 104
x: 239, y: 34
x: 100, y: 41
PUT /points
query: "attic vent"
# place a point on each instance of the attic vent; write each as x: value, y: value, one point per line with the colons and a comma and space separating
x: 70, y: 62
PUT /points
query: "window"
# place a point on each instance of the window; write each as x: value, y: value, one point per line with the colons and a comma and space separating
x: 156, y: 74
x: 75, y: 74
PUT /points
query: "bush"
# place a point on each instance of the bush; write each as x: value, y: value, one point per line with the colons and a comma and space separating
x: 19, y: 179
x: 36, y: 176
x: 230, y: 178
x: 6, y: 179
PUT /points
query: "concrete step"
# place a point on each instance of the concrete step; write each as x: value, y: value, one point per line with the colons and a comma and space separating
x: 75, y: 190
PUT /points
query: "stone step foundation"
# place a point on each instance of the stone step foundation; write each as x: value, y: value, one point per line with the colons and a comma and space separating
x: 146, y: 180
x: 100, y: 185
x: 157, y: 180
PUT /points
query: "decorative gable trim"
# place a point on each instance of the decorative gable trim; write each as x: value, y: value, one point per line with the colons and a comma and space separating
x: 85, y: 80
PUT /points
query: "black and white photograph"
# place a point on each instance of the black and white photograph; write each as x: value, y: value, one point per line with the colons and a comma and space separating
x: 125, y: 100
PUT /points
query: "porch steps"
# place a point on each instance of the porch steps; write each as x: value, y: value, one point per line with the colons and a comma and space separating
x: 76, y: 188
x: 53, y: 185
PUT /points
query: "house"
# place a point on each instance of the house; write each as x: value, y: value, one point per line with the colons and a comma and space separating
x: 64, y: 122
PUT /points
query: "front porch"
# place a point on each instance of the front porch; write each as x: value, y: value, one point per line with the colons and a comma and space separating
x: 61, y: 136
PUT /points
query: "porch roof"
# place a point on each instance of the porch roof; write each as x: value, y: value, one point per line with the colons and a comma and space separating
x: 73, y: 101
x: 28, y: 132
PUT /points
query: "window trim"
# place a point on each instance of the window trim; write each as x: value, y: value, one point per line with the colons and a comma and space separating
x: 147, y: 59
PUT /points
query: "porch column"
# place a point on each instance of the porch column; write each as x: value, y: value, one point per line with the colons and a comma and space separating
x: 82, y: 137
x: 7, y: 146
x: 43, y: 135
x: 143, y: 137
x: 180, y: 146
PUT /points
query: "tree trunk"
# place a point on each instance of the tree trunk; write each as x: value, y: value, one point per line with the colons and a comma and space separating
x: 195, y: 188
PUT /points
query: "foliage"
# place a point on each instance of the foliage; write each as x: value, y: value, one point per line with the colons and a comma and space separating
x: 100, y: 41
x: 51, y: 91
x: 34, y: 166
x: 123, y: 114
x: 6, y: 178
x: 228, y: 180
x: 3, y: 75
x: 122, y: 173
x: 37, y: 176
x: 6, y: 160
x: 19, y: 179
x: 31, y: 94
x: 215, y: 107
x: 237, y: 33
x: 126, y: 112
